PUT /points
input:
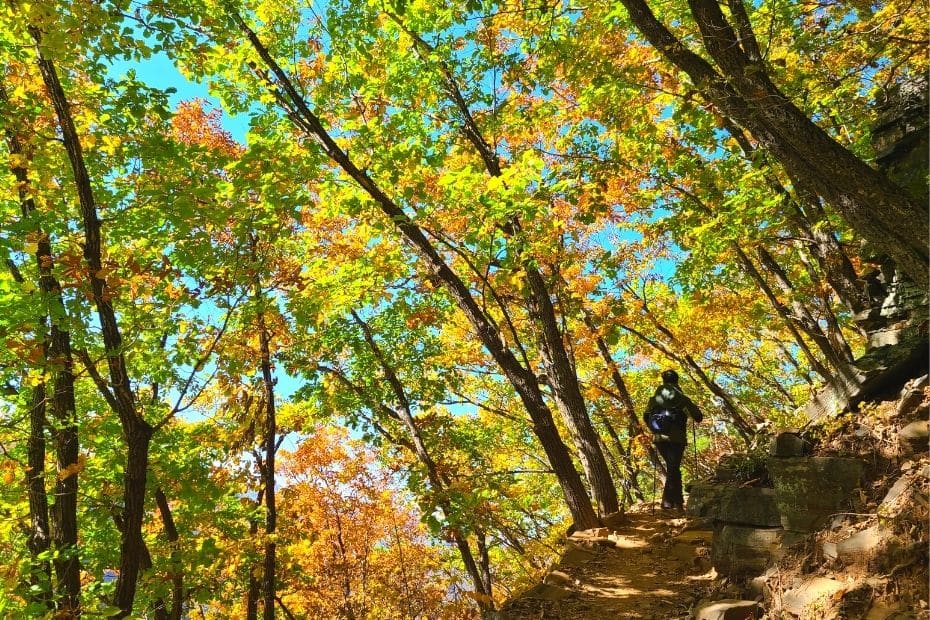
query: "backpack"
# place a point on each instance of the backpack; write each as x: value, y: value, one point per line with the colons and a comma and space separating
x: 666, y: 416
x: 663, y: 421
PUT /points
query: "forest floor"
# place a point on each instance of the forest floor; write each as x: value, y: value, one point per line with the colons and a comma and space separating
x: 657, y: 567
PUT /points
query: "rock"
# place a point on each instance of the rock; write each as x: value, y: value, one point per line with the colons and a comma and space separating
x: 575, y: 556
x: 876, y: 371
x: 916, y: 435
x: 759, y: 586
x: 740, y: 552
x: 911, y: 397
x: 814, y: 592
x: 557, y: 578
x: 615, y: 520
x: 597, y: 532
x: 829, y: 551
x: 863, y: 547
x: 788, y: 444
x: 810, y: 489
x: 727, y: 609
x: 855, y: 600
x: 754, y: 506
x: 625, y: 542
x: 546, y: 592
x: 886, y: 611
x: 892, y: 504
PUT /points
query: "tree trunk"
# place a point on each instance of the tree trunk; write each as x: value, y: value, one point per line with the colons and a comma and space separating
x: 117, y: 391
x: 749, y: 268
x: 836, y: 350
x: 176, y: 568
x: 39, y: 539
x: 806, y: 214
x: 438, y: 482
x: 568, y: 396
x: 60, y: 361
x: 137, y: 438
x: 253, y: 594
x: 270, y: 441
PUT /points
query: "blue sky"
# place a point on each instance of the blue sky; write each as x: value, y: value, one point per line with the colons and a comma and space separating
x: 159, y: 72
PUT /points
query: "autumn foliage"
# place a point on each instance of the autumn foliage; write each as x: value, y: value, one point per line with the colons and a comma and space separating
x: 350, y: 311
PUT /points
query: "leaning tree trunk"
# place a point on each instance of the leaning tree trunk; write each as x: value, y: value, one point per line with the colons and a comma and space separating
x: 568, y: 397
x: 439, y: 483
x: 876, y: 208
x: 566, y: 390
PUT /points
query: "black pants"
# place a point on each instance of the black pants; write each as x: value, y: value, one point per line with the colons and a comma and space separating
x: 672, y: 454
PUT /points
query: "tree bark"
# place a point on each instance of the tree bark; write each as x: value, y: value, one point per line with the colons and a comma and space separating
x: 177, y: 569
x: 568, y: 396
x: 39, y: 539
x: 253, y: 594
x: 60, y: 361
x: 270, y: 446
x: 566, y: 390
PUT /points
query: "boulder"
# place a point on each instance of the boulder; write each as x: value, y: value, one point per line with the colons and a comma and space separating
x: 813, y: 597
x: 727, y: 609
x: 915, y: 436
x: 546, y: 592
x: 865, y: 546
x: 896, y: 499
x: 789, y: 443
x: 557, y: 578
x: 810, y: 489
x: 911, y: 397
x: 881, y: 610
x: 732, y: 504
x: 575, y: 556
x: 740, y: 552
x: 615, y: 520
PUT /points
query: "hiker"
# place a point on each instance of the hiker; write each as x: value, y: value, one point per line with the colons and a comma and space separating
x: 667, y: 417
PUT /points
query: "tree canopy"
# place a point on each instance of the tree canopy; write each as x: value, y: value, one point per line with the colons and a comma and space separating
x: 368, y: 350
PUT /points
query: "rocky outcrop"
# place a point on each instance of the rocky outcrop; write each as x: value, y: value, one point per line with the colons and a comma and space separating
x: 871, y: 375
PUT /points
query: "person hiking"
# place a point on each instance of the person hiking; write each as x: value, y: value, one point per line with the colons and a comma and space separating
x: 666, y: 416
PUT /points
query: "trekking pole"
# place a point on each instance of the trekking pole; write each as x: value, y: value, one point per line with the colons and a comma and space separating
x: 654, y: 467
x: 694, y: 441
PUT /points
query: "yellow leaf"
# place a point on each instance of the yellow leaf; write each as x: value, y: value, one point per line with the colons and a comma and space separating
x: 18, y: 160
x: 73, y: 469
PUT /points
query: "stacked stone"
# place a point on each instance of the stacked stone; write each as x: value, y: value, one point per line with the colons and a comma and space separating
x: 754, y: 526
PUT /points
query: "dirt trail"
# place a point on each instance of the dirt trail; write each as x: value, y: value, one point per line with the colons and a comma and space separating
x: 655, y: 567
